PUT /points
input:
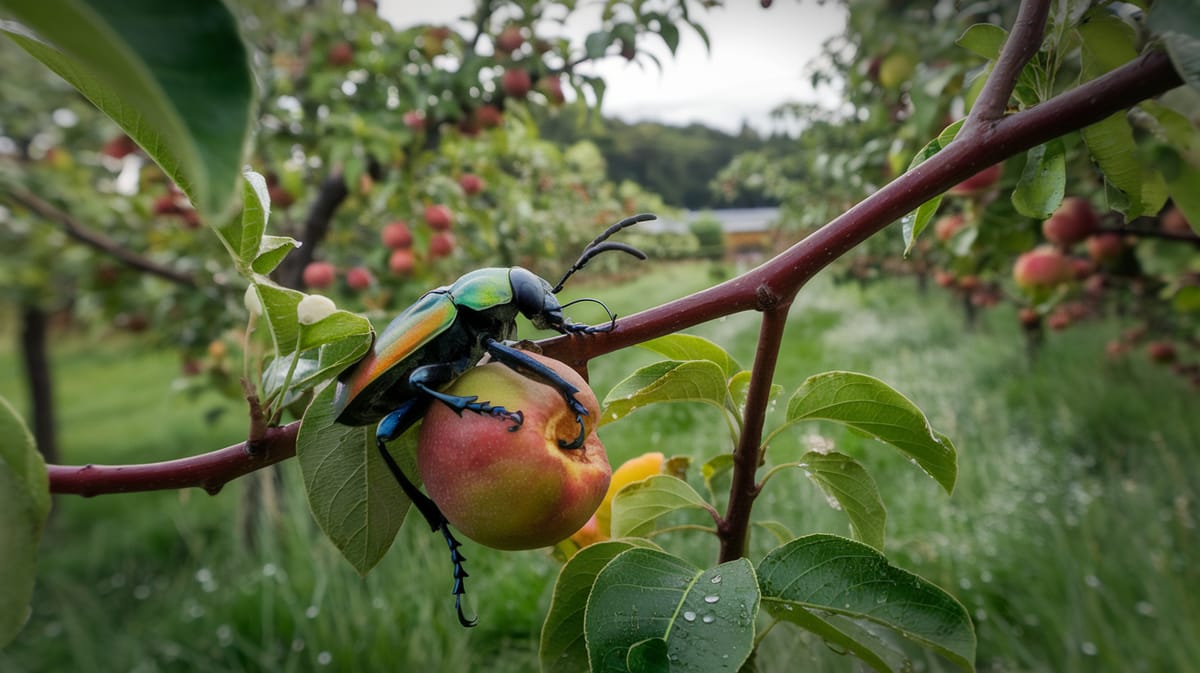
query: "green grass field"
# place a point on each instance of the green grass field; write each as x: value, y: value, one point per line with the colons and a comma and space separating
x: 1071, y: 537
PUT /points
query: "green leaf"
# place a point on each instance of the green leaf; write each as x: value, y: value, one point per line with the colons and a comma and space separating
x: 1178, y: 23
x: 1107, y: 41
x: 983, y: 39
x: 24, y: 506
x: 175, y: 76
x: 1043, y: 183
x: 839, y: 588
x: 739, y: 390
x: 705, y: 616
x: 871, y: 406
x: 912, y: 224
x: 279, y: 308
x: 271, y: 251
x: 315, y: 366
x: 354, y: 498
x: 243, y: 238
x: 681, y: 346
x: 666, y: 381
x: 562, y: 648
x: 638, y: 505
x: 670, y: 35
x: 1112, y: 146
x: 777, y: 529
x: 651, y: 655
x: 595, y: 44
x: 851, y: 489
x: 715, y: 467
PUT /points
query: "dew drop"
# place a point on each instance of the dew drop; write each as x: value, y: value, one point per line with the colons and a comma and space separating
x: 711, y: 599
x: 689, y: 616
x: 708, y: 619
x: 716, y: 579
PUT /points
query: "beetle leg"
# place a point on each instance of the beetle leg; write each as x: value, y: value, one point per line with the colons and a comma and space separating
x: 527, y: 366
x: 392, y: 426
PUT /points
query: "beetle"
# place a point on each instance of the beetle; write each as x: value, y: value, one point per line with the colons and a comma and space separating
x: 443, y: 334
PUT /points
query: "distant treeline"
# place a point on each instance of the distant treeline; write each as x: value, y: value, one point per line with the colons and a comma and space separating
x: 677, y: 162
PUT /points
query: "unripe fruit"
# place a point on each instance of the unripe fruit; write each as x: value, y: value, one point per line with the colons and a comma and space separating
x: 1106, y: 249
x: 438, y: 217
x: 518, y: 489
x: 396, y: 235
x: 340, y: 54
x: 509, y: 40
x: 516, y: 83
x: 319, y: 274
x: 1162, y: 352
x: 471, y: 184
x: 1071, y: 223
x: 401, y: 262
x: 359, y: 278
x: 635, y: 469
x: 896, y: 69
x: 441, y: 244
x: 978, y: 182
x: 1041, y: 269
x: 947, y: 226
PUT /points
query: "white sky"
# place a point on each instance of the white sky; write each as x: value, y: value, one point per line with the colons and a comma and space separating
x: 757, y: 61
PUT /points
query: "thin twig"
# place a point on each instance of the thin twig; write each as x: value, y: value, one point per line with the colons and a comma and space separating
x: 1022, y: 43
x: 94, y: 239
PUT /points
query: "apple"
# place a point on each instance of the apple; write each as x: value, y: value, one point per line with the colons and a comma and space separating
x: 1106, y: 249
x: 1059, y: 320
x: 509, y: 39
x: 414, y: 120
x: 947, y: 226
x: 396, y: 235
x: 1042, y: 269
x: 1072, y: 222
x: 359, y: 278
x: 280, y: 196
x: 119, y: 147
x: 514, y: 489
x: 551, y: 88
x: 402, y: 262
x: 1029, y: 318
x: 944, y: 278
x: 516, y: 83
x: 438, y: 217
x: 896, y: 69
x: 471, y: 184
x: 441, y: 244
x: 489, y: 116
x: 968, y: 283
x: 167, y: 205
x: 1162, y: 352
x: 319, y: 274
x: 978, y: 182
x: 340, y: 54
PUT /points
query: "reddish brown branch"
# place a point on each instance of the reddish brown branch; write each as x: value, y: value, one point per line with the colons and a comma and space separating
x: 1022, y: 43
x: 733, y: 531
x: 782, y: 276
x: 80, y: 232
x: 210, y: 471
x: 1152, y: 233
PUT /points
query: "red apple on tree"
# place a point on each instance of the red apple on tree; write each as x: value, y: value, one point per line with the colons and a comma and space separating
x: 441, y: 244
x: 1106, y: 249
x: 1162, y: 352
x: 319, y: 275
x: 438, y: 217
x: 1042, y: 269
x: 402, y: 262
x: 518, y: 489
x: 396, y: 235
x: 1174, y: 222
x: 359, y: 278
x: 340, y: 54
x: 516, y: 83
x: 471, y: 184
x: 509, y: 39
x: 489, y: 116
x: 948, y: 225
x: 414, y: 120
x: 1071, y: 223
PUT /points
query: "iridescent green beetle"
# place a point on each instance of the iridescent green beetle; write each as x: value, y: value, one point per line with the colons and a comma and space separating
x: 445, y: 333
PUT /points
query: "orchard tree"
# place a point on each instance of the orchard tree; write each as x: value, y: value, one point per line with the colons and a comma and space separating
x: 1114, y: 197
x: 622, y: 603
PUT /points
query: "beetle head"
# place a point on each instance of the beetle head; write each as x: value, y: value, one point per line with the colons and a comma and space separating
x: 535, y: 299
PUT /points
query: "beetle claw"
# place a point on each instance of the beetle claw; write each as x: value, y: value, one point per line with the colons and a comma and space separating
x: 578, y: 441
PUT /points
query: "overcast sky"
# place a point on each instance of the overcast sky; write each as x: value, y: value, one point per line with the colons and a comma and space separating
x: 757, y: 61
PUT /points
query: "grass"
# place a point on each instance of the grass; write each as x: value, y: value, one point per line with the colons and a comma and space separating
x: 1070, y: 537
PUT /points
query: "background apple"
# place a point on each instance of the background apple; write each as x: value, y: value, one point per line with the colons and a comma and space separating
x: 1072, y: 222
x: 319, y: 274
x: 1042, y: 268
x: 518, y: 489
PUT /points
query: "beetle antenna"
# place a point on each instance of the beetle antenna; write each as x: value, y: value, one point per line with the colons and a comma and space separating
x: 586, y: 329
x: 598, y: 246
